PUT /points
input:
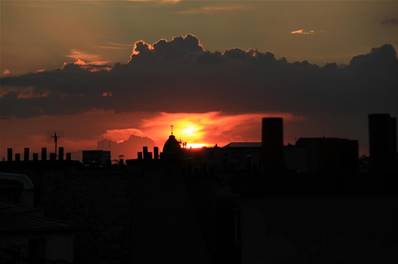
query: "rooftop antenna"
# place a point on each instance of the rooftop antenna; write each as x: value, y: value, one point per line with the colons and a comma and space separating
x: 171, y: 129
x: 55, y: 137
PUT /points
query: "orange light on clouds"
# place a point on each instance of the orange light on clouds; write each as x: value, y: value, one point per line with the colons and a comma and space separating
x: 84, y: 131
x: 188, y: 131
x: 7, y: 72
x: 206, y: 129
x: 121, y: 135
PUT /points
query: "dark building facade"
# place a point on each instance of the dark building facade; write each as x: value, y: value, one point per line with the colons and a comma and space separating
x: 272, y: 143
x: 330, y: 155
x: 382, y: 141
x: 96, y: 157
x: 212, y: 205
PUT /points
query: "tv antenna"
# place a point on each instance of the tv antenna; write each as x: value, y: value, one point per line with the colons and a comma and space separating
x: 171, y: 129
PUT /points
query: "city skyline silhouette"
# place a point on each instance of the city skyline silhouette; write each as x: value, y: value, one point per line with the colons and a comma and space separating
x: 104, y: 114
x: 178, y: 131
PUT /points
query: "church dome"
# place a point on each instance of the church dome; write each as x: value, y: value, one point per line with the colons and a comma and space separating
x: 172, y: 148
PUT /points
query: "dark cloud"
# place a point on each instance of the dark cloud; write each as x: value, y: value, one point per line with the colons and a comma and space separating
x: 390, y: 21
x: 180, y: 75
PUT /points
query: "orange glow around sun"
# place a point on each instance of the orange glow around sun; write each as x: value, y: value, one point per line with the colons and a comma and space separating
x: 189, y: 132
x: 207, y: 129
x: 134, y: 130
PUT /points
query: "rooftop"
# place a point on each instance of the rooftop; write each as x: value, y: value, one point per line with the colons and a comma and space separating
x: 243, y: 145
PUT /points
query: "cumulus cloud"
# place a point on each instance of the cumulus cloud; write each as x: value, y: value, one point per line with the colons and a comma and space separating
x: 186, y: 49
x: 180, y: 75
x: 122, y: 135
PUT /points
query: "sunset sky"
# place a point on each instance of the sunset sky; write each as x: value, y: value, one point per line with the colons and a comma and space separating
x: 124, y: 71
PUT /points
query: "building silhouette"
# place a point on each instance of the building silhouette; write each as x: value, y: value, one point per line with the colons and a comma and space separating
x: 43, y: 154
x: 272, y: 143
x: 100, y: 158
x: 329, y: 155
x: 209, y: 205
x: 382, y: 141
x: 172, y: 149
x: 27, y: 236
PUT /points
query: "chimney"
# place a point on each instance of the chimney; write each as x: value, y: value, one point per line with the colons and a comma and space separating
x: 139, y: 155
x: 156, y: 153
x: 9, y: 154
x: 61, y: 152
x: 26, y: 154
x: 145, y: 150
x: 43, y: 154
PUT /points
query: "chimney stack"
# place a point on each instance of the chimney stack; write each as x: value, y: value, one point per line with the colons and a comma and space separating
x: 9, y: 154
x: 156, y: 153
x: 146, y: 153
x: 61, y: 152
x: 44, y: 154
x: 26, y: 154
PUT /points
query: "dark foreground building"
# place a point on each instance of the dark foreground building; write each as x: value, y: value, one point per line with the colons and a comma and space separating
x: 272, y: 143
x: 217, y: 206
x: 382, y: 142
x: 26, y: 235
x: 329, y: 155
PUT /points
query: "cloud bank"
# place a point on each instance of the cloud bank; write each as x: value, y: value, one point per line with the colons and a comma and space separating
x: 180, y: 75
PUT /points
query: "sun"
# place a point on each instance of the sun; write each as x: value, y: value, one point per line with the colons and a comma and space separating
x: 189, y: 131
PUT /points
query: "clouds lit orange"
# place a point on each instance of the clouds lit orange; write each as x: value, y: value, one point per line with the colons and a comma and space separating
x: 205, y: 129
